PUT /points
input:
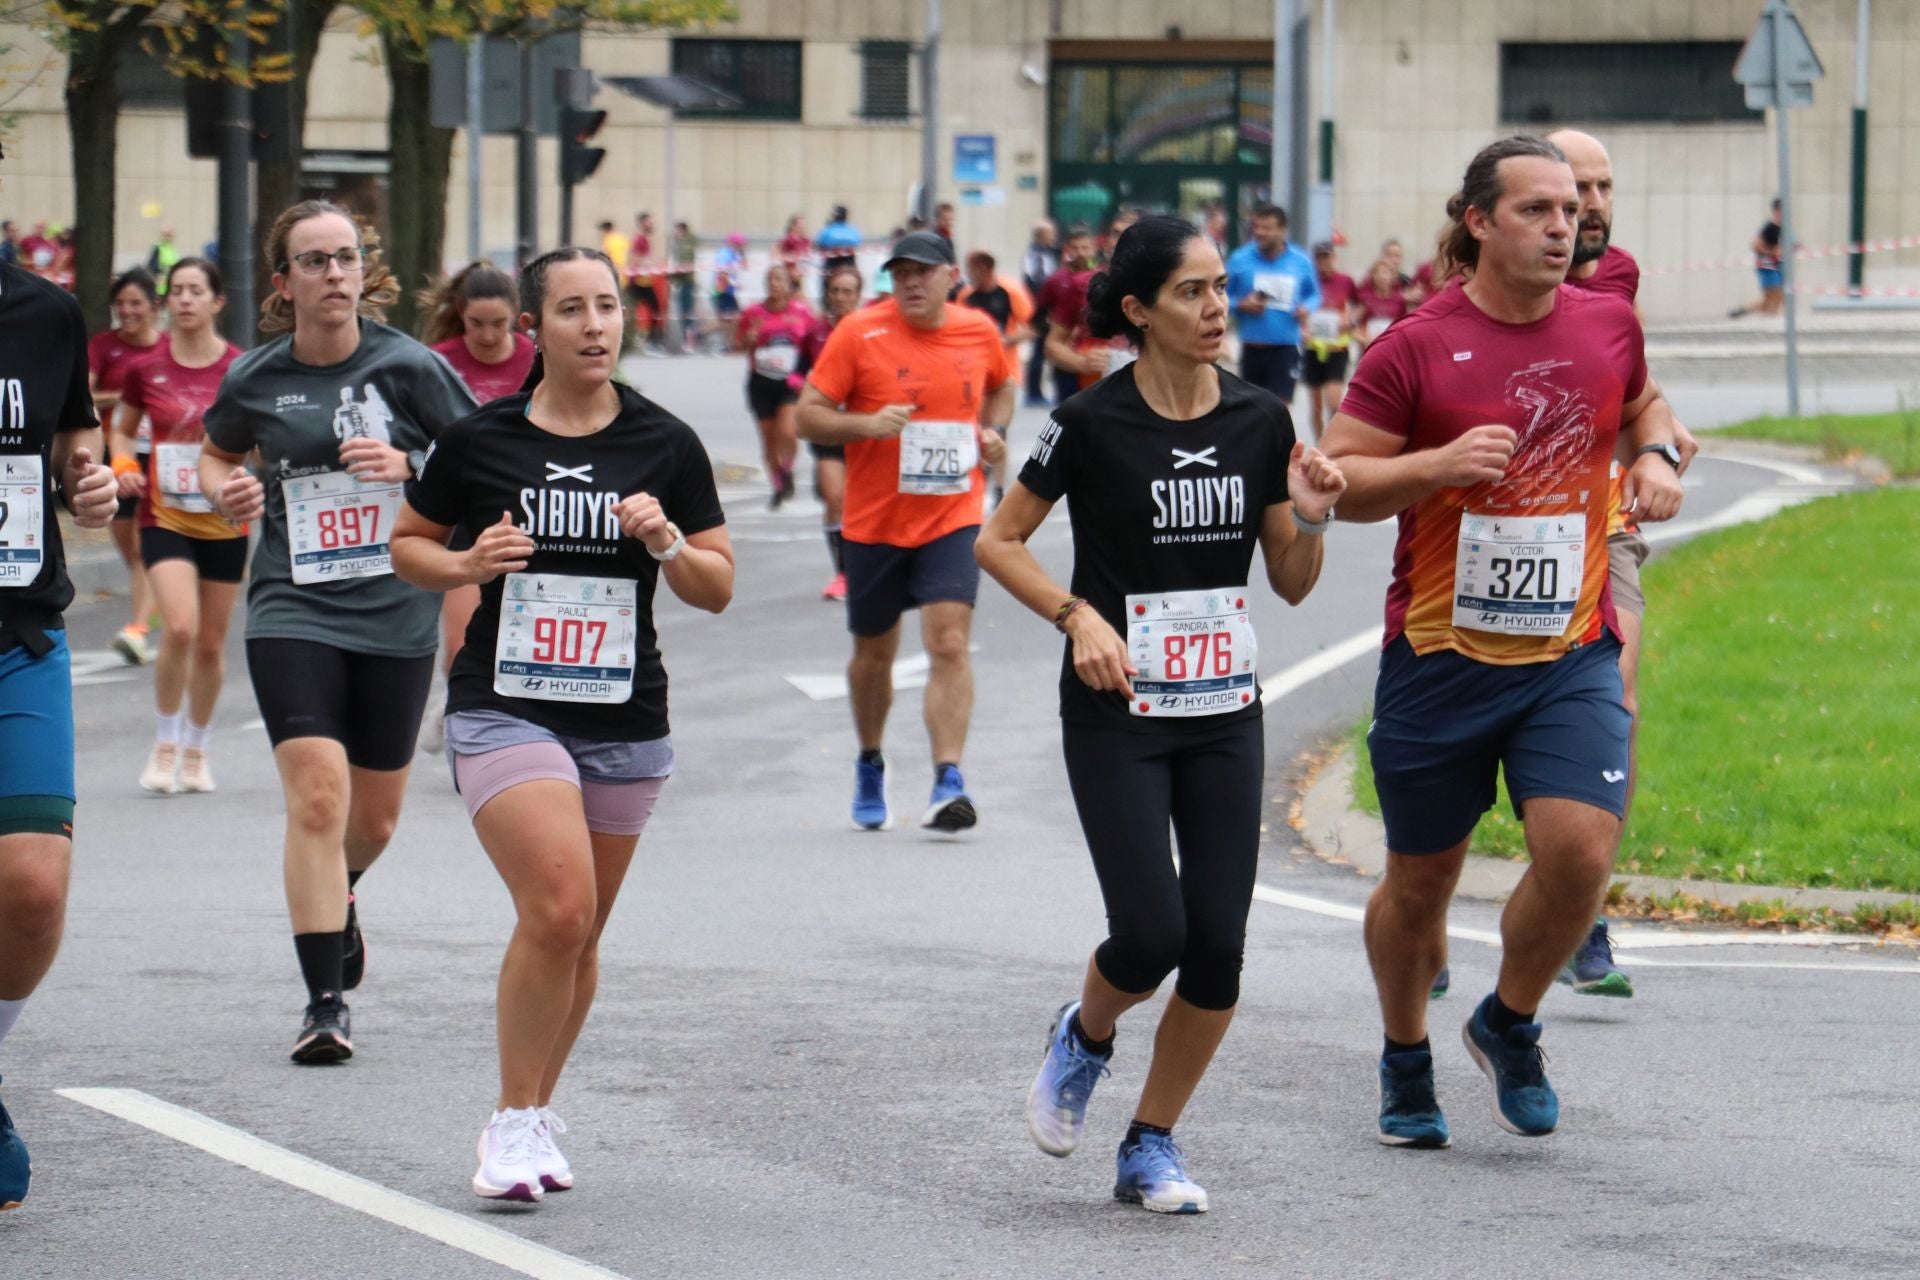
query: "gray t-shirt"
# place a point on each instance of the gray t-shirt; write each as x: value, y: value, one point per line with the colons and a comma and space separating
x: 296, y: 415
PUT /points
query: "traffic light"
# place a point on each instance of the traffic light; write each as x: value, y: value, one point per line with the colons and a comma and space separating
x: 577, y: 159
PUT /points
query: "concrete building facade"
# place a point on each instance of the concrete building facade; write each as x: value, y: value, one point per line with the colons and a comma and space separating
x: 1069, y: 106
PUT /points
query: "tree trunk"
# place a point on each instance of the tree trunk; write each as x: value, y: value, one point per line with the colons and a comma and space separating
x: 421, y: 160
x: 93, y: 126
x: 277, y: 180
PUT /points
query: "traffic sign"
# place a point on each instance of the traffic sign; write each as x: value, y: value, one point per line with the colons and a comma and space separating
x: 1781, y: 77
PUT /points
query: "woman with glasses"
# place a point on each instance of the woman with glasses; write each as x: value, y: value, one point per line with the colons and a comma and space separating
x: 338, y: 412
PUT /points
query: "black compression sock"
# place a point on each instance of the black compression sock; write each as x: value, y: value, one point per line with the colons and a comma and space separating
x: 1501, y: 1019
x: 1099, y: 1048
x: 353, y: 878
x: 321, y: 959
x: 1139, y: 1127
x: 874, y: 758
x: 837, y: 548
x: 1424, y: 1045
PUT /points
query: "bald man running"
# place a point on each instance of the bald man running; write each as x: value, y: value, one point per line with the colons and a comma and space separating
x: 1600, y: 266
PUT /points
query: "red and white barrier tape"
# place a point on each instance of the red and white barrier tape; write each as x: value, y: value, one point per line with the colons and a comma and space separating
x: 1847, y: 291
x: 1890, y: 245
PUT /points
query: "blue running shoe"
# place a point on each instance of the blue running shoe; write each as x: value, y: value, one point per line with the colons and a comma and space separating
x: 1057, y: 1103
x: 1409, y: 1112
x: 1153, y: 1175
x: 15, y: 1169
x: 1442, y: 981
x: 1523, y: 1101
x: 1592, y: 971
x: 949, y: 810
x: 869, y: 796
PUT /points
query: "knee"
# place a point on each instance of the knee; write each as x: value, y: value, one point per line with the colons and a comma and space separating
x: 318, y: 809
x: 208, y: 653
x: 34, y: 903
x: 947, y: 646
x: 1210, y: 968
x: 1139, y: 954
x: 376, y: 829
x: 560, y: 922
x: 178, y: 638
x: 1422, y: 885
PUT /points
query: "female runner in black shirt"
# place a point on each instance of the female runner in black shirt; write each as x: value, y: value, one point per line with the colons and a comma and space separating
x: 1178, y: 472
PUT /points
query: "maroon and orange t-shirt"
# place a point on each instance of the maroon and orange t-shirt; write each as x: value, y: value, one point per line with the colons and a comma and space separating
x: 174, y: 399
x: 874, y: 359
x: 1618, y: 274
x: 109, y: 356
x: 1560, y: 383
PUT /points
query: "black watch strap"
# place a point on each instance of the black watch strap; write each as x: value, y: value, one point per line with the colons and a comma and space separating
x: 1667, y: 451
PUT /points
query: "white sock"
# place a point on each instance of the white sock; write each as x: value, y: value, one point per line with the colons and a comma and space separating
x: 166, y: 729
x: 194, y: 737
x: 9, y: 1014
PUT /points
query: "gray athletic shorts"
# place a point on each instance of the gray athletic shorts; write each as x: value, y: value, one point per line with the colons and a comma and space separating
x: 1626, y: 552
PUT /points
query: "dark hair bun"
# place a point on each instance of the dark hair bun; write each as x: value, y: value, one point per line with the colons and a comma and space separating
x: 1104, y: 316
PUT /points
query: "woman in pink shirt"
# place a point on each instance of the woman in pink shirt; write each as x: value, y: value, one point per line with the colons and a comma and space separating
x: 1380, y: 301
x: 472, y: 322
x: 772, y: 333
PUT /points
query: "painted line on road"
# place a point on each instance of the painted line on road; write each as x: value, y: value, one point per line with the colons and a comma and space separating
x: 236, y: 1146
x: 1281, y: 683
x: 1753, y: 507
x: 99, y: 666
x: 908, y: 673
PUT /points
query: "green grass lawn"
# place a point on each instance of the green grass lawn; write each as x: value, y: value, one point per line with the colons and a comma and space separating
x: 1891, y: 437
x: 1780, y: 693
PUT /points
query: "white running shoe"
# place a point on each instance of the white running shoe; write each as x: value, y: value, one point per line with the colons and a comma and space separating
x: 131, y: 645
x: 509, y: 1151
x: 194, y: 774
x: 555, y: 1173
x: 162, y: 765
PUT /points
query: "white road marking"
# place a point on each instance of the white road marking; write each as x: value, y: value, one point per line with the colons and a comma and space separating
x: 908, y: 673
x: 1281, y: 683
x: 457, y: 1231
x: 99, y: 666
x: 1755, y: 506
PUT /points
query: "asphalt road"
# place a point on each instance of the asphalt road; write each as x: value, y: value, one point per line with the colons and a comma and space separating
x: 811, y: 1046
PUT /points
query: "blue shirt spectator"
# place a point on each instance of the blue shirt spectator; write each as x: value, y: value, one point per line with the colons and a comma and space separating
x: 1279, y: 275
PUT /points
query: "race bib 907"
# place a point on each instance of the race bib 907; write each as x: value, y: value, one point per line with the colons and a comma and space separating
x: 565, y: 638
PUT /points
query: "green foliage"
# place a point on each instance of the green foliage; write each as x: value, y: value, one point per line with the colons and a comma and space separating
x: 412, y: 24
x: 1892, y: 437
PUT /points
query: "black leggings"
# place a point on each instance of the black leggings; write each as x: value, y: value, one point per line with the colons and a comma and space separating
x: 1128, y: 786
x: 369, y: 703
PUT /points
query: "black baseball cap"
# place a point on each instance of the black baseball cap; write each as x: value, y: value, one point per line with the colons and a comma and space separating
x: 927, y: 247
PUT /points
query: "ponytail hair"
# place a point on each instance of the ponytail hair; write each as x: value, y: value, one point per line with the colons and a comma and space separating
x: 1458, y: 253
x: 533, y: 297
x: 1144, y: 258
x: 378, y: 289
x: 444, y: 303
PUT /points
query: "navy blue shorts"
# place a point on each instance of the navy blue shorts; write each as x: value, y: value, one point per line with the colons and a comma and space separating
x: 1444, y: 725
x: 1271, y: 366
x: 884, y: 582
x: 36, y: 739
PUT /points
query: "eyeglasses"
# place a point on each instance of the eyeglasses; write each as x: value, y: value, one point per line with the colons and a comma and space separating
x: 314, y: 261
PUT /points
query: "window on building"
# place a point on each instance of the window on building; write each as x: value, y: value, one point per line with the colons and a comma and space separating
x: 1676, y: 82
x: 763, y: 74
x: 886, y: 79
x: 145, y: 83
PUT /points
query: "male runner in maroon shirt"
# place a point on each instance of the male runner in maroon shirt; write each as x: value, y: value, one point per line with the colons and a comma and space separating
x: 1486, y: 421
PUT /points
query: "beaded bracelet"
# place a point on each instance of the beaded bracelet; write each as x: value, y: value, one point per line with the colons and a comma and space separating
x: 1065, y: 611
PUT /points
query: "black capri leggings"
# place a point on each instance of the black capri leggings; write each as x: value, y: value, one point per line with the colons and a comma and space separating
x: 1128, y: 786
x: 369, y: 703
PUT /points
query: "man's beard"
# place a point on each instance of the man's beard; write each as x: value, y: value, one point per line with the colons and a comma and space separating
x: 1583, y: 252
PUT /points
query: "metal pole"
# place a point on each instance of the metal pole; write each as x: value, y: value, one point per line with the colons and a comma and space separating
x: 1285, y: 18
x: 1778, y: 15
x: 526, y: 152
x: 236, y: 203
x: 1857, y: 215
x: 930, y: 112
x: 476, y: 139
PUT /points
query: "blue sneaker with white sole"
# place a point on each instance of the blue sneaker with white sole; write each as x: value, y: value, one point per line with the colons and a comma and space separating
x: 1442, y: 983
x: 1409, y: 1111
x: 1153, y: 1175
x: 1523, y: 1102
x: 949, y: 809
x: 869, y: 795
x: 1057, y: 1103
x: 16, y: 1171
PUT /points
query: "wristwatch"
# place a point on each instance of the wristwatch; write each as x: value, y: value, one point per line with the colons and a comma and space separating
x: 673, y: 551
x: 1667, y: 451
x: 417, y: 462
x: 1311, y: 526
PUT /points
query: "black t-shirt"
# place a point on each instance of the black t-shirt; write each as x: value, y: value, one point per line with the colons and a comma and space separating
x: 43, y: 391
x: 996, y: 302
x: 562, y: 491
x: 1158, y: 505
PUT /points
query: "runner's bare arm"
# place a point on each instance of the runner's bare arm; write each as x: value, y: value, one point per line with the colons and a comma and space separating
x: 234, y: 491
x: 702, y: 573
x: 1315, y: 484
x: 821, y: 421
x: 1384, y: 478
x: 1651, y: 489
x: 89, y: 487
x: 1060, y: 352
x: 996, y: 414
x: 1099, y: 655
x: 1659, y: 413
x: 420, y: 555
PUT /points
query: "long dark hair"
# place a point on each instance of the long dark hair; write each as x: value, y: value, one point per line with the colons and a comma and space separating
x: 445, y: 302
x: 1144, y: 258
x: 139, y: 278
x: 533, y: 295
x: 1458, y: 252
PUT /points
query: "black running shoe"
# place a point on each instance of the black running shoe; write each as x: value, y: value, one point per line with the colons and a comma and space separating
x: 353, y: 957
x: 324, y: 1032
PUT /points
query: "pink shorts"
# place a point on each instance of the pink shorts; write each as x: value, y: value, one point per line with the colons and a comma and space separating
x: 613, y: 808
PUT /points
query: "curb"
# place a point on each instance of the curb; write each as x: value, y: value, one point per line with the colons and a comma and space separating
x: 1338, y: 832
